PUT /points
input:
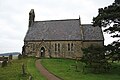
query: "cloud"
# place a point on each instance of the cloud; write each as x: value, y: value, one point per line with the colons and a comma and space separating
x: 14, y: 16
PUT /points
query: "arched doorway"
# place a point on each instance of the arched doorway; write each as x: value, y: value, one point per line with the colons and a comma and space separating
x: 42, y: 52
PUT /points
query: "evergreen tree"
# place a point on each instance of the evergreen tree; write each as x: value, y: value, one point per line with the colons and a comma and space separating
x: 93, y: 54
x: 94, y: 58
x: 117, y: 1
x: 109, y: 17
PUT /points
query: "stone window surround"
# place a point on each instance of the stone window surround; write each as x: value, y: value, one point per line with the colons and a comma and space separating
x: 70, y: 47
x: 57, y: 47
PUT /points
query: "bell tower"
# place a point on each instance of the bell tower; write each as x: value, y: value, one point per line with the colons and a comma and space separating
x: 31, y: 17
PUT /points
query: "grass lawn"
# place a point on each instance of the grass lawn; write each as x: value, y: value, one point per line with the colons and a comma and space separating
x: 60, y: 67
x: 14, y: 71
x: 33, y: 71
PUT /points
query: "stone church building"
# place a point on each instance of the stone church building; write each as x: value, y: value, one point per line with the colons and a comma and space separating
x: 59, y: 38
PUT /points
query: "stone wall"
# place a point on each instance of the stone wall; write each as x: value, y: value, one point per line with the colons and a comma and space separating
x: 63, y: 49
x: 88, y: 43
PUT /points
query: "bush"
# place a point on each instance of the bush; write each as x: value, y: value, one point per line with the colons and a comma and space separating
x: 94, y: 58
x: 20, y: 56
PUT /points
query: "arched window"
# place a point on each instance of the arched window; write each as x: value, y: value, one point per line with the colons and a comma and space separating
x: 68, y: 47
x: 71, y: 46
x: 58, y: 47
x: 55, y: 47
x: 33, y: 47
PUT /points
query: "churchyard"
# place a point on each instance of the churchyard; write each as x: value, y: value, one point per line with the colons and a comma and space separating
x: 63, y: 68
x: 13, y: 70
x: 66, y: 69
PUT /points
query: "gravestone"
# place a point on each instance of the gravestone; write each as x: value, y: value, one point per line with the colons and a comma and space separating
x: 23, y: 69
x: 10, y: 57
x: 30, y: 77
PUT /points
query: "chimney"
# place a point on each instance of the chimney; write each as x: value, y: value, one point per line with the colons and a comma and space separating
x: 31, y: 17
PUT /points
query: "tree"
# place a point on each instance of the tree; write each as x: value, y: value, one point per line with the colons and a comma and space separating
x: 113, y: 51
x: 20, y: 56
x: 109, y: 17
x: 93, y: 54
x: 117, y: 1
x: 94, y: 57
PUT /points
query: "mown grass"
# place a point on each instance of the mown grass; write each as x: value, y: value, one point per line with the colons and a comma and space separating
x: 60, y: 67
x: 13, y: 71
x: 33, y: 71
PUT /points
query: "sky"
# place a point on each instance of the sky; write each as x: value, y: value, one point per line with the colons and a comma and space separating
x: 14, y: 16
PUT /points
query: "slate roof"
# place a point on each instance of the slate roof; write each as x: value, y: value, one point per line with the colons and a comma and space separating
x: 62, y: 30
x: 92, y: 33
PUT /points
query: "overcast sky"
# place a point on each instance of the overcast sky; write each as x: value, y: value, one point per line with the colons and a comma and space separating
x: 14, y: 16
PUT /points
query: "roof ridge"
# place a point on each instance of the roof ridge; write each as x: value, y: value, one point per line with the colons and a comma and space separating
x: 86, y: 24
x: 57, y: 20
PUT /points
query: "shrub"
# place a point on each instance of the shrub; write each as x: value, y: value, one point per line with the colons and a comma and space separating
x: 20, y: 56
x: 94, y: 58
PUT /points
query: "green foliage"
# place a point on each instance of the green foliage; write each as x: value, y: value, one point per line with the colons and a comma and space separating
x: 94, y: 58
x: 113, y: 48
x: 13, y: 71
x: 109, y: 17
x: 93, y: 54
x: 60, y: 67
x: 20, y: 56
x: 113, y: 51
x: 117, y: 1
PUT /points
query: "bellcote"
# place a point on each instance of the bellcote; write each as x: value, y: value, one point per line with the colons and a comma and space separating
x: 31, y: 17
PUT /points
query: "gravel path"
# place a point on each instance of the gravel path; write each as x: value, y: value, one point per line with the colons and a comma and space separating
x: 44, y: 72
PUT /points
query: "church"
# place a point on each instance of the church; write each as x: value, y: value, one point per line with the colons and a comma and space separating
x: 59, y: 38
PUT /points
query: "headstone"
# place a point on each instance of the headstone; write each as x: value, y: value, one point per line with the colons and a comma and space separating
x: 30, y: 77
x: 10, y: 57
x: 23, y: 69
